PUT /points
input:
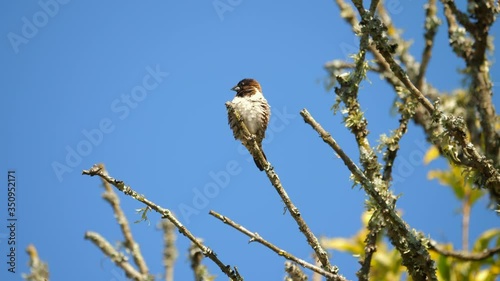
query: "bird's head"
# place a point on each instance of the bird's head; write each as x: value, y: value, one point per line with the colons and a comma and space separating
x: 246, y: 87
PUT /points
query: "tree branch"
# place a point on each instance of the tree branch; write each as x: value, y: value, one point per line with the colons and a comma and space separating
x: 452, y: 124
x: 432, y: 23
x: 118, y: 258
x: 374, y: 228
x: 355, y: 120
x: 39, y: 270
x: 257, y: 238
x: 294, y: 273
x: 462, y: 18
x: 407, y: 109
x: 200, y: 270
x: 166, y: 214
x: 414, y: 254
x: 169, y: 250
x: 434, y: 246
x: 110, y: 196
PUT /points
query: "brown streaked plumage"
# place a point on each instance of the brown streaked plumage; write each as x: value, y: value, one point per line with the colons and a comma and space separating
x: 253, y: 108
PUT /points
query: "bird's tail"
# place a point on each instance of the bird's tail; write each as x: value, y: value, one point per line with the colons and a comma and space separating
x: 258, y: 162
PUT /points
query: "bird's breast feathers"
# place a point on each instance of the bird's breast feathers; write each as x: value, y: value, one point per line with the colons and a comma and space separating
x: 254, y: 110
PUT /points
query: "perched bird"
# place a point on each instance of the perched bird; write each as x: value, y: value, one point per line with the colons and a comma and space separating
x: 253, y: 108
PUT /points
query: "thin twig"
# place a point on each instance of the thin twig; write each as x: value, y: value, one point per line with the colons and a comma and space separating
x: 200, y: 271
x: 432, y: 23
x: 415, y: 256
x: 335, y: 66
x: 294, y: 272
x: 407, y: 110
x: 401, y: 46
x: 255, y: 237
x: 459, y: 41
x: 462, y: 18
x: 110, y: 196
x: 348, y: 93
x: 115, y: 256
x: 466, y: 220
x: 434, y: 246
x: 166, y: 214
x: 312, y: 240
x: 169, y: 250
x: 39, y: 270
x: 316, y: 276
x: 374, y: 228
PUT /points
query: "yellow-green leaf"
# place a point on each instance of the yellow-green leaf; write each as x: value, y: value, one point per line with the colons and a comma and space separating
x: 484, y: 239
x: 342, y: 244
x: 431, y: 154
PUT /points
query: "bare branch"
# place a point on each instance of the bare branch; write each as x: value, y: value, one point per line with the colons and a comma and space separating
x: 257, y: 238
x: 169, y: 250
x: 434, y: 246
x: 275, y: 181
x: 374, y: 228
x: 200, y: 270
x: 294, y: 272
x: 118, y: 258
x: 336, y: 66
x: 167, y: 214
x: 407, y: 110
x: 355, y: 119
x: 110, y: 196
x: 462, y: 18
x: 316, y: 276
x: 432, y: 23
x: 39, y: 270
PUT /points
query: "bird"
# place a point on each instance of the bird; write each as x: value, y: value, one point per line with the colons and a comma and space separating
x: 253, y: 108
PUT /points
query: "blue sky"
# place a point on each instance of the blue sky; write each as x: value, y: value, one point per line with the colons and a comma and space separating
x: 141, y: 87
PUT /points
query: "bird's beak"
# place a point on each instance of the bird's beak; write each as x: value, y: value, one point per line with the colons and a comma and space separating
x: 235, y: 88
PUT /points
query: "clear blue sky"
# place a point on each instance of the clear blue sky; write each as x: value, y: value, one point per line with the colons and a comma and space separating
x: 141, y: 87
